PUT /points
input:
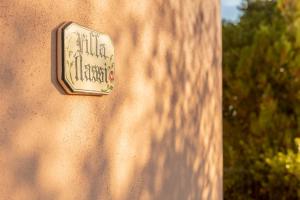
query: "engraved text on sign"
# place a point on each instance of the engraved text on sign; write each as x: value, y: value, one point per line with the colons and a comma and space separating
x: 87, y: 64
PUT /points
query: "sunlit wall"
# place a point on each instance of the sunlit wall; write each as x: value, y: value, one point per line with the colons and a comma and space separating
x: 157, y: 136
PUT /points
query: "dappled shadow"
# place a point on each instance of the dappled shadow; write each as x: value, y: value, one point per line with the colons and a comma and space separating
x: 156, y: 136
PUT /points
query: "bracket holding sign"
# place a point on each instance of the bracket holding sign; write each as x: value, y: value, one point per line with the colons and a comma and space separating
x: 86, y: 63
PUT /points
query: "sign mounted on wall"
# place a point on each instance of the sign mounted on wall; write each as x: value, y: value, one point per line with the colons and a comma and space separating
x: 86, y: 63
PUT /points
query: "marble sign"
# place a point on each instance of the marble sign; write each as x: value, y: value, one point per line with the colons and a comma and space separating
x: 86, y: 63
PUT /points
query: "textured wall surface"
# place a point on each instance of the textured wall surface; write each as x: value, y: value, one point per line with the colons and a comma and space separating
x: 157, y: 136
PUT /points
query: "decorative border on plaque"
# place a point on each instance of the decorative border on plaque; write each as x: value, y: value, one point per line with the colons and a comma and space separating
x: 85, y: 60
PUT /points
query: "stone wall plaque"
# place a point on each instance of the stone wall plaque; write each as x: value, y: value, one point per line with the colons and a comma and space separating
x: 85, y: 60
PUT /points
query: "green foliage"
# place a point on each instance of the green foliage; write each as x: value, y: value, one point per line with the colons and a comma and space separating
x: 261, y: 70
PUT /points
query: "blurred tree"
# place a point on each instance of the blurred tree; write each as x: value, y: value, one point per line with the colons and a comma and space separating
x: 261, y: 66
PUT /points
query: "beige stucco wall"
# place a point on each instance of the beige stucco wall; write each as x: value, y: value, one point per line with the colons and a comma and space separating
x: 157, y: 136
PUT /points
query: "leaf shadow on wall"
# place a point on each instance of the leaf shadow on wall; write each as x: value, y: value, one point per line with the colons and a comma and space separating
x: 185, y: 159
x: 157, y: 136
